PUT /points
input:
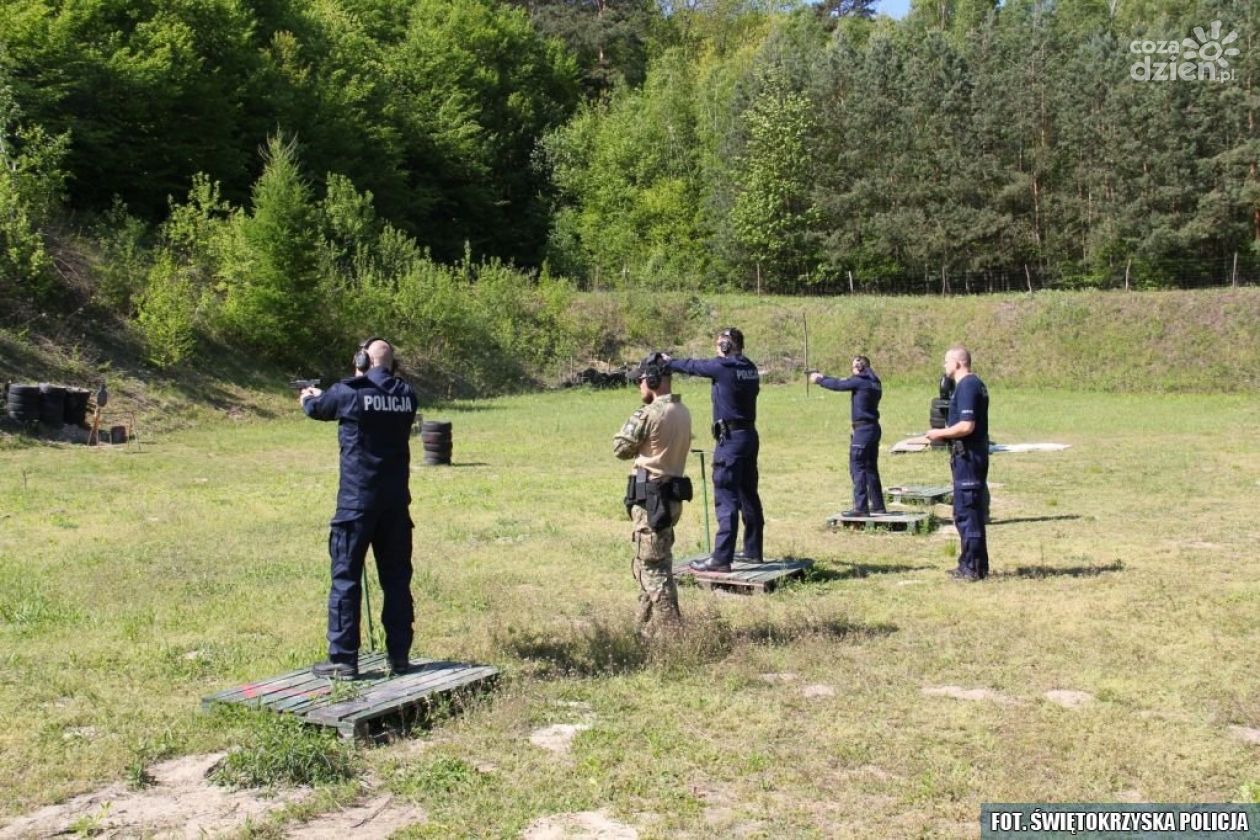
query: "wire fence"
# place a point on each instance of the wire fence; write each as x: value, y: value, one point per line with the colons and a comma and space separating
x: 1191, y: 272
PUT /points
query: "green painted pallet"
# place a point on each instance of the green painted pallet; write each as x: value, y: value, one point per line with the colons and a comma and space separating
x: 745, y: 577
x: 920, y: 494
x: 353, y: 706
x: 909, y: 521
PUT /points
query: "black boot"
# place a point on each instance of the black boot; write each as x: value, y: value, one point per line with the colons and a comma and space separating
x: 336, y: 670
x: 708, y: 564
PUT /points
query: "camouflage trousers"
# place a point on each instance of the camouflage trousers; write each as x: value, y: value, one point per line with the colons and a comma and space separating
x: 653, y: 568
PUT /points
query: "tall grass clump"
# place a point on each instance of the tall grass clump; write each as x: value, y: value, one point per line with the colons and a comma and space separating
x: 281, y: 750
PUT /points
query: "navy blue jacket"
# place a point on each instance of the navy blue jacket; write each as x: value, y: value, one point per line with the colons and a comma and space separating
x: 867, y: 390
x: 970, y: 401
x: 375, y: 412
x: 736, y: 384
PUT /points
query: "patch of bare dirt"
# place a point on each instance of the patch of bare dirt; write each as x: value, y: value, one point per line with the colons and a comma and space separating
x: 583, y: 825
x: 1246, y: 734
x: 960, y: 693
x: 818, y: 690
x: 180, y: 803
x: 558, y: 738
x: 378, y: 818
x: 1069, y: 699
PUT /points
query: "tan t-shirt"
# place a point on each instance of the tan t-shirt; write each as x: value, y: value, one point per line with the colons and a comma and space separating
x: 657, y: 436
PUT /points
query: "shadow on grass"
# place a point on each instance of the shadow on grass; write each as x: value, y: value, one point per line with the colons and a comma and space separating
x: 1061, y: 571
x: 705, y: 636
x: 838, y: 629
x: 850, y: 571
x: 1021, y: 519
x: 585, y: 651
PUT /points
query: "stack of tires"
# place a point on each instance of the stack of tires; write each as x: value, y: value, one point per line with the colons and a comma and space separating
x: 23, y: 404
x: 436, y: 437
x: 52, y: 405
x: 938, y: 418
x: 76, y: 406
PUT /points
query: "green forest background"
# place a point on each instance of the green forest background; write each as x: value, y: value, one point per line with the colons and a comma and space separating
x: 284, y: 177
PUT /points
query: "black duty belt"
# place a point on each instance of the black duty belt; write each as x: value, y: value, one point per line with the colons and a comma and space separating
x: 858, y: 424
x: 739, y: 425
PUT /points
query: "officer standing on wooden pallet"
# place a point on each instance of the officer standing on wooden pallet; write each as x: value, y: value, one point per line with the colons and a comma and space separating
x: 868, y: 492
x: 657, y: 436
x: 736, y: 383
x: 375, y: 411
x: 968, y: 433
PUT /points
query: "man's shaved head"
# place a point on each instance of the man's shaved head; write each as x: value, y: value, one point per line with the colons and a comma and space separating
x: 961, y: 355
x: 381, y: 353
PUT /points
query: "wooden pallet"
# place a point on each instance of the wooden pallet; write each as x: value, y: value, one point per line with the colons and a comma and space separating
x: 920, y: 494
x: 353, y: 706
x: 745, y: 577
x: 909, y: 521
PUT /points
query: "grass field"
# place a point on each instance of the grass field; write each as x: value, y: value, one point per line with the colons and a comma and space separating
x: 132, y: 583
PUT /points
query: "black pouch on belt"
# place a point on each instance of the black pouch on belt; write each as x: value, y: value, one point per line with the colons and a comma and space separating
x: 681, y: 489
x: 658, y: 498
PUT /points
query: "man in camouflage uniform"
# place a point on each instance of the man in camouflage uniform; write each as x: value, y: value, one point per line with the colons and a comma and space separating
x: 657, y: 436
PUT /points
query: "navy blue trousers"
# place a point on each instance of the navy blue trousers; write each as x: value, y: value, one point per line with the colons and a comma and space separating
x: 735, y: 496
x: 388, y: 532
x: 868, y: 492
x: 971, y: 472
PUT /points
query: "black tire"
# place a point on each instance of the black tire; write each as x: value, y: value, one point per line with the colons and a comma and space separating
x: 22, y: 390
x: 435, y: 425
x: 52, y: 404
x: 76, y: 406
x: 434, y: 437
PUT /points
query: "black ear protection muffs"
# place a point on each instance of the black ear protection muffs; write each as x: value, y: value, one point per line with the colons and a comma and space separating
x: 652, y: 370
x: 362, y: 361
x: 730, y: 339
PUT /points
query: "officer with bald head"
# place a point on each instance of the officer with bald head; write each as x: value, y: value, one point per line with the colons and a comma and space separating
x: 968, y: 434
x: 374, y: 410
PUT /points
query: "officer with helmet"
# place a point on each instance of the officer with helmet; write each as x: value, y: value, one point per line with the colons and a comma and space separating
x: 736, y: 384
x: 374, y: 410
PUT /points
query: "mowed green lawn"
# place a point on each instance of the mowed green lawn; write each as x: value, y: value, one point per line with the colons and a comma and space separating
x: 132, y: 583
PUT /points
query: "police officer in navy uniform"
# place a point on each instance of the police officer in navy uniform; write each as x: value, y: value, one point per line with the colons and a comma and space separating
x: 968, y: 433
x: 375, y: 411
x: 868, y: 492
x: 736, y: 383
